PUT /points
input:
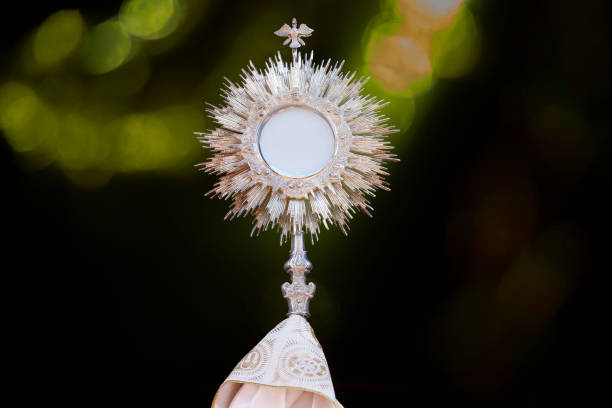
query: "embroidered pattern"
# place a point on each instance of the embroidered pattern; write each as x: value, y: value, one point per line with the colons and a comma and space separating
x: 289, y: 356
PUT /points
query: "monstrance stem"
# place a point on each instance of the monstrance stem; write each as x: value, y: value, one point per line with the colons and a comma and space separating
x: 298, y: 293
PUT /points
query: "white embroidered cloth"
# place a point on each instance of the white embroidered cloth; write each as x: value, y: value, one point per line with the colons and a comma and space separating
x: 286, y: 369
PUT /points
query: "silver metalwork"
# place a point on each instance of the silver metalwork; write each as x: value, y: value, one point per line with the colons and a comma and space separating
x: 298, y: 205
x: 298, y: 293
x: 330, y: 196
x: 294, y: 35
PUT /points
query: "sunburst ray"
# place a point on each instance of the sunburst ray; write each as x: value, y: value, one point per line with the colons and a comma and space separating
x: 330, y: 196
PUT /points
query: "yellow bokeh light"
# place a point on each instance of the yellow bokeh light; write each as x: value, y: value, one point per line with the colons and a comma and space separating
x: 41, y: 121
x: 143, y: 143
x: 183, y: 120
x: 107, y: 46
x: 412, y: 41
x: 425, y: 17
x: 435, y: 9
x: 81, y: 144
x: 150, y: 19
x: 57, y: 37
x: 27, y: 123
x: 397, y: 61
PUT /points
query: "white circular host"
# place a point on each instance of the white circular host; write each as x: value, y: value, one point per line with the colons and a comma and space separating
x: 296, y: 142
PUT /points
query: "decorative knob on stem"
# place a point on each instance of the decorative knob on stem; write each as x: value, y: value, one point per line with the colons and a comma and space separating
x: 298, y: 293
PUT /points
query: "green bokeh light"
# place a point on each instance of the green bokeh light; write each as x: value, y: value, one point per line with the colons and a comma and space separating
x: 386, y: 22
x: 455, y: 50
x: 143, y: 143
x: 81, y: 144
x: 150, y: 19
x: 133, y: 128
x: 57, y: 37
x: 183, y: 120
x: 161, y: 139
x: 27, y: 123
x: 106, y: 47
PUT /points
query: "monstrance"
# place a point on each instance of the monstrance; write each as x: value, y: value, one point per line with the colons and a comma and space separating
x: 297, y: 146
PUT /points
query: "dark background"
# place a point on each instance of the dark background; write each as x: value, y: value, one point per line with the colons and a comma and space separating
x: 140, y: 293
